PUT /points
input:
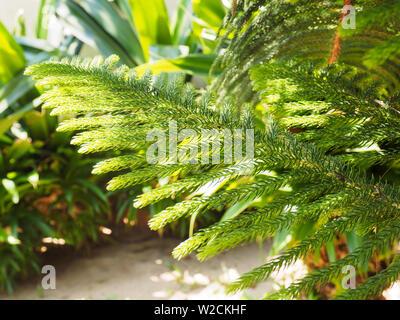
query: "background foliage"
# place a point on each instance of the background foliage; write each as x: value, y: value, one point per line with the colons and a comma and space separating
x: 46, y: 190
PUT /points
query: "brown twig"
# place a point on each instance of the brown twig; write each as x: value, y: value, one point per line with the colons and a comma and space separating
x: 234, y: 7
x: 335, y: 53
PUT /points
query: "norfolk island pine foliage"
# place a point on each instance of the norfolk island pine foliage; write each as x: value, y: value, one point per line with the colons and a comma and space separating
x: 323, y: 102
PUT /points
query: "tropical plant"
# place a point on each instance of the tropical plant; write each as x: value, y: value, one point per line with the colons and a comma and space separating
x: 45, y: 192
x: 45, y: 189
x: 142, y: 35
x: 17, y: 92
x: 324, y: 105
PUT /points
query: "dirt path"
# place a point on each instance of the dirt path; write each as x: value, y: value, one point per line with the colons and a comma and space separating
x: 145, y: 270
x: 140, y: 266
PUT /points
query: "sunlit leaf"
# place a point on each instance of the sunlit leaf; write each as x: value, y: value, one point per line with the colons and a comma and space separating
x: 88, y: 30
x: 12, y: 59
x: 210, y: 11
x: 181, y: 24
x: 152, y: 22
x: 11, y: 188
x: 198, y: 64
x: 46, y: 9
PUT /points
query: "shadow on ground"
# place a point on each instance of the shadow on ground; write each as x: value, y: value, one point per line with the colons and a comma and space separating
x: 141, y: 267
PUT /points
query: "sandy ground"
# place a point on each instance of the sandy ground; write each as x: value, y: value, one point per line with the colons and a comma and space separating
x: 140, y: 266
x: 145, y: 269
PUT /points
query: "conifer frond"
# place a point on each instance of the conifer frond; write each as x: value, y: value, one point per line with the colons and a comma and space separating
x: 375, y: 284
x: 313, y: 175
x: 317, y: 278
x: 305, y: 31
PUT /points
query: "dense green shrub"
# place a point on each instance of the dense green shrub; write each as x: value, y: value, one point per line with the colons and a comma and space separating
x: 45, y: 188
x: 45, y: 191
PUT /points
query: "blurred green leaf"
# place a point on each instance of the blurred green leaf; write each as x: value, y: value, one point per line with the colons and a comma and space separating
x: 14, y: 90
x: 20, y: 27
x: 39, y: 223
x: 36, y: 47
x: 12, y: 59
x: 36, y: 125
x: 331, y: 251
x: 281, y: 239
x: 13, y: 241
x: 18, y: 150
x: 94, y: 188
x: 3, y: 235
x: 104, y: 13
x: 208, y: 16
x: 198, y: 64
x: 33, y: 179
x: 127, y: 10
x: 353, y: 241
x: 236, y: 209
x: 8, y: 121
x: 152, y: 22
x: 11, y: 188
x: 88, y: 30
x: 180, y: 23
x: 163, y: 51
x: 46, y: 10
x: 2, y: 167
x: 5, y: 139
x: 212, y: 12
